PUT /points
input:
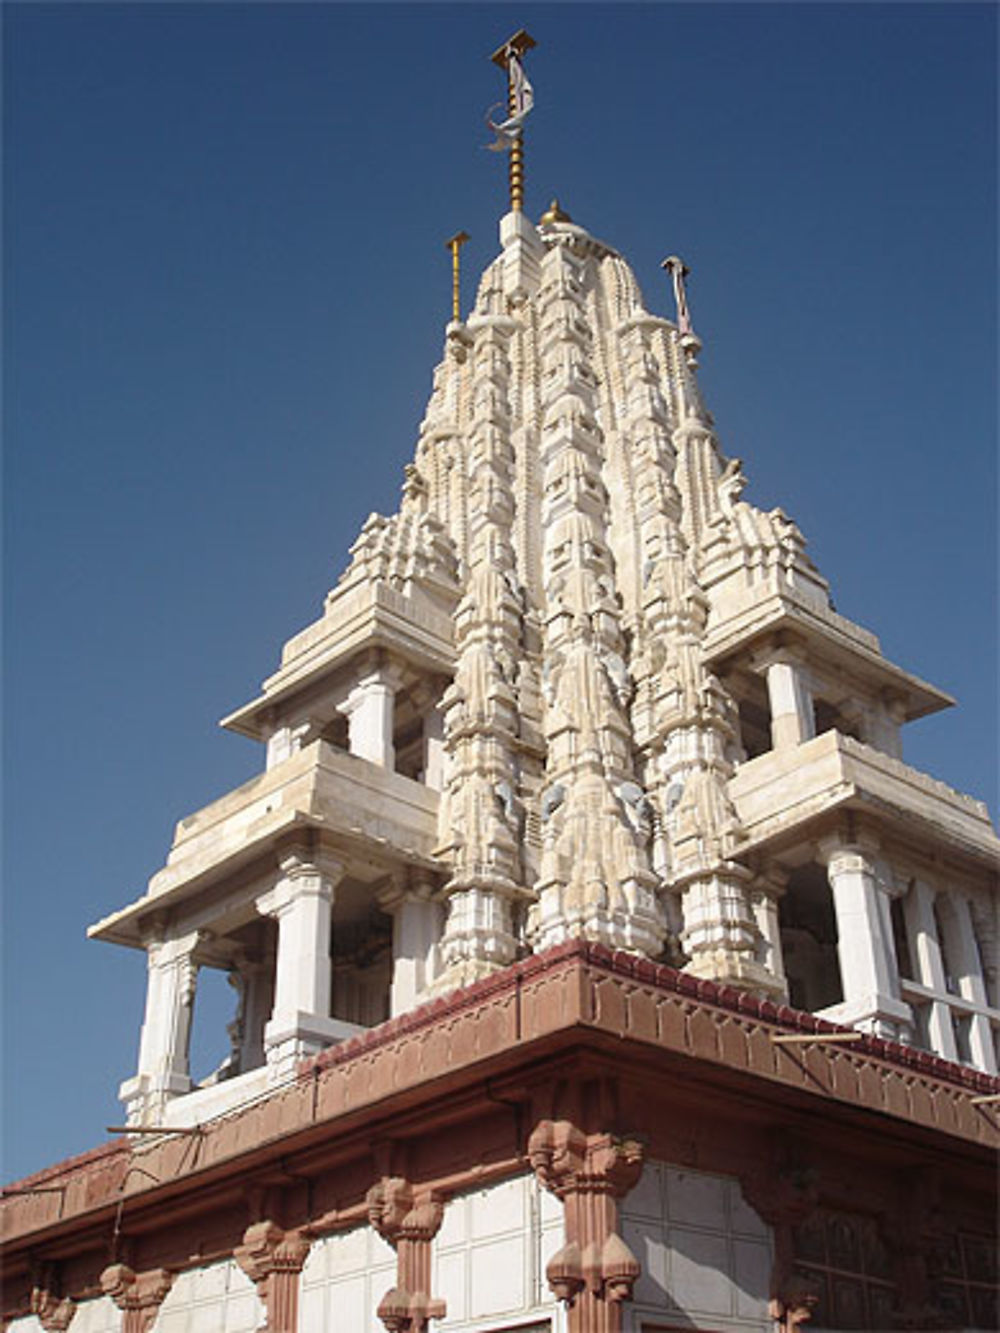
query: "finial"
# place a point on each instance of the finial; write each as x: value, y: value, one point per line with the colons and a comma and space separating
x: 454, y: 244
x: 554, y: 214
x: 690, y: 341
x: 520, y: 100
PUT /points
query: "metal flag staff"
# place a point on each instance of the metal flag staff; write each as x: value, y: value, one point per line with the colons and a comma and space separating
x: 454, y: 244
x: 520, y: 99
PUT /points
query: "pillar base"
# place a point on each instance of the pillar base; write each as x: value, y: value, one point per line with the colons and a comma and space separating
x: 880, y: 1015
x: 289, y: 1038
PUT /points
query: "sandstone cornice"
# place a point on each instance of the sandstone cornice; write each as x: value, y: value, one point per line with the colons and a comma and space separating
x: 577, y: 997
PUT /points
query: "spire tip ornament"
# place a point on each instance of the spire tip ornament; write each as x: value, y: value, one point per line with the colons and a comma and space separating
x: 520, y: 99
x: 690, y: 341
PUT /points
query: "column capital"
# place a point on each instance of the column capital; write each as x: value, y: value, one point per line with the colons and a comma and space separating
x: 840, y: 847
x: 303, y: 870
x: 54, y: 1313
x: 272, y: 1259
x: 138, y: 1295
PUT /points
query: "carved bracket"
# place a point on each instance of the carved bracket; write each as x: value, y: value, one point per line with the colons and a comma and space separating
x: 273, y: 1258
x: 784, y: 1197
x: 54, y: 1313
x: 589, y: 1173
x: 408, y: 1218
x: 138, y: 1295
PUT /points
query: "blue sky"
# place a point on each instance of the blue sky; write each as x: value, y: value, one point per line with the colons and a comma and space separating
x: 226, y: 287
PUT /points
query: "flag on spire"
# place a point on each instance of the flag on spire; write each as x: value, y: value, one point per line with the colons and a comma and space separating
x: 520, y: 102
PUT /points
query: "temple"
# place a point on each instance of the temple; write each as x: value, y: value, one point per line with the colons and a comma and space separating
x: 598, y: 961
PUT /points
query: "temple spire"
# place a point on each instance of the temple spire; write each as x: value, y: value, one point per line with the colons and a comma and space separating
x: 520, y: 100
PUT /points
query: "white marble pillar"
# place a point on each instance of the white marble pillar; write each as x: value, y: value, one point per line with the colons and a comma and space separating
x: 792, y: 720
x: 434, y: 749
x: 164, y: 1070
x: 766, y: 895
x: 369, y: 709
x: 416, y: 929
x: 864, y: 942
x: 301, y: 902
x: 972, y: 986
x: 255, y: 984
x: 930, y: 969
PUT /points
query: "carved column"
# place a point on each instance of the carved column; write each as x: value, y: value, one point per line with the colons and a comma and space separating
x: 863, y: 941
x: 369, y: 709
x: 163, y: 1070
x: 408, y: 1218
x: 302, y: 902
x: 138, y: 1295
x: 273, y: 1259
x: 920, y: 905
x: 416, y: 925
x: 595, y: 1271
x: 792, y: 720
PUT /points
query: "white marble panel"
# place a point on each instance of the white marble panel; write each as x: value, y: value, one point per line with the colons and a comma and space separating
x: 98, y: 1316
x: 498, y: 1209
x: 217, y: 1298
x: 751, y: 1275
x: 699, y: 1278
x: 498, y: 1276
x: 695, y: 1199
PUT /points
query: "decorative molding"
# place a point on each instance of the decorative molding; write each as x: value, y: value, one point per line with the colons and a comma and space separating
x: 273, y: 1258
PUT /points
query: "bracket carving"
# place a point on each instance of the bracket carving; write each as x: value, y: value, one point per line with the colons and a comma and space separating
x: 784, y: 1198
x: 273, y: 1258
x: 595, y: 1270
x: 408, y: 1218
x: 54, y: 1313
x: 138, y: 1295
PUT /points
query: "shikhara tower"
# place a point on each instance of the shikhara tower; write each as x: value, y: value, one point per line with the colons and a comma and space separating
x: 576, y: 687
x: 578, y: 771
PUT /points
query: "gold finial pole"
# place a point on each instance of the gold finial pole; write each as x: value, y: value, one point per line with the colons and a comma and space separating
x: 514, y: 46
x: 454, y: 244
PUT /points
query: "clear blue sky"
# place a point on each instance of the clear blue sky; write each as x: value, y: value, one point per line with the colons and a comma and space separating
x: 226, y: 288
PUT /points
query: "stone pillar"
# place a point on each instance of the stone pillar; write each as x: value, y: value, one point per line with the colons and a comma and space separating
x: 369, y: 709
x: 792, y: 720
x: 767, y: 891
x: 864, y: 948
x: 255, y: 984
x: 594, y: 1271
x: 930, y: 969
x: 138, y: 1295
x: 408, y: 1218
x: 972, y: 986
x: 416, y: 929
x: 434, y: 748
x: 302, y: 903
x: 273, y: 1259
x: 163, y: 1071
